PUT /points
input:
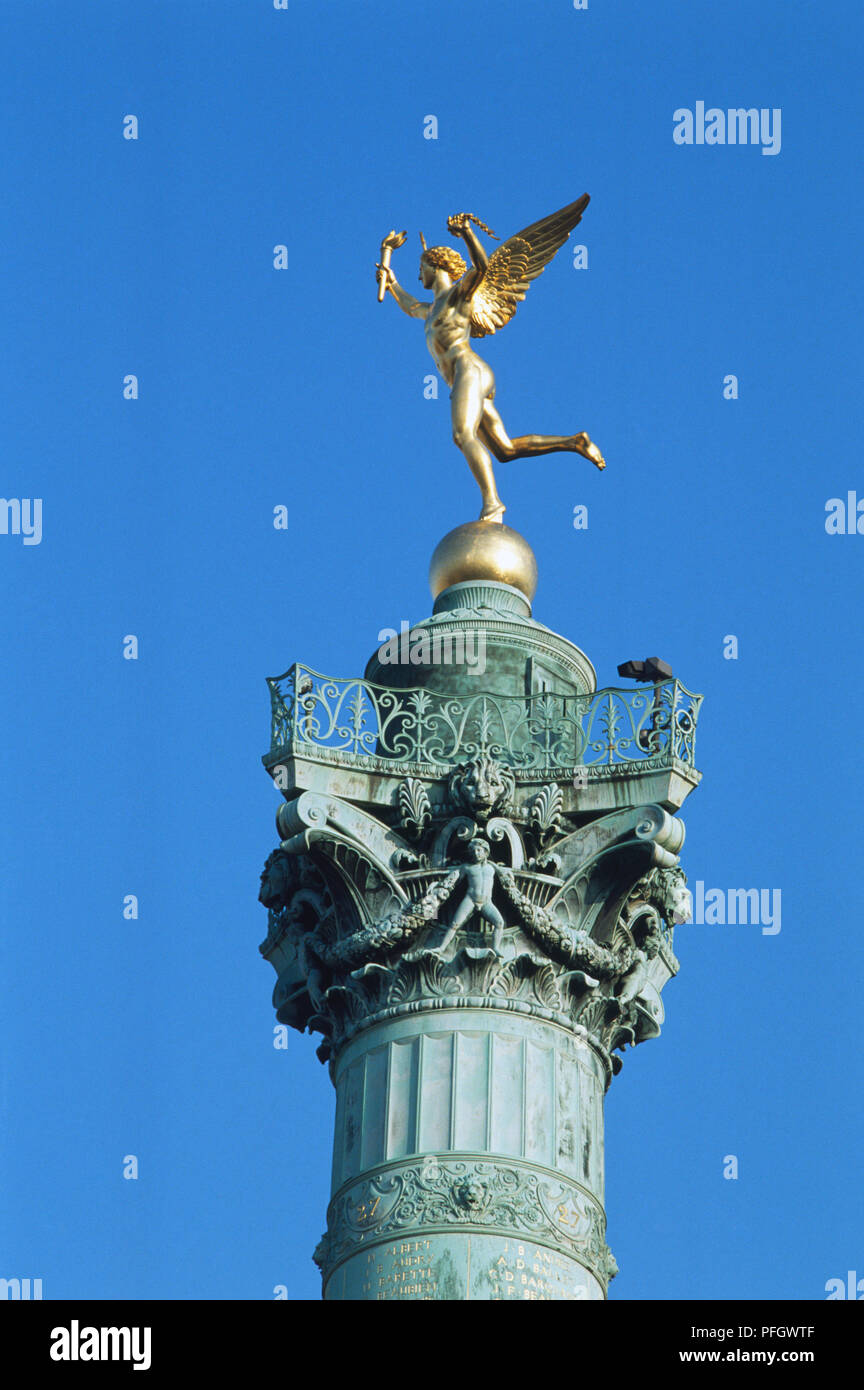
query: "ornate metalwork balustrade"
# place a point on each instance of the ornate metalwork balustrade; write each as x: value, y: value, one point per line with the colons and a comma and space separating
x: 353, y: 721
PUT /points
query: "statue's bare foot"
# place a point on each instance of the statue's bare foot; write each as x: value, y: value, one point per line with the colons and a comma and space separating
x: 493, y: 512
x: 582, y: 445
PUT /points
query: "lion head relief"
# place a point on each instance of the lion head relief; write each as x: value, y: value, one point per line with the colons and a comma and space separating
x: 482, y: 786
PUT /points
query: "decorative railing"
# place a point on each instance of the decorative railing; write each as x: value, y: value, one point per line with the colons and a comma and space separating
x: 352, y: 721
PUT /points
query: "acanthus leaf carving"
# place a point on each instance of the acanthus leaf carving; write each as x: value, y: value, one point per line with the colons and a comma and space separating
x: 546, y: 813
x: 415, y: 810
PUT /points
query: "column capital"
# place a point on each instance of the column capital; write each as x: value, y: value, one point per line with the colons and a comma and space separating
x: 472, y: 893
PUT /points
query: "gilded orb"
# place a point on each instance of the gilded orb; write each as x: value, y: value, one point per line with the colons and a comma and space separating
x: 483, y: 550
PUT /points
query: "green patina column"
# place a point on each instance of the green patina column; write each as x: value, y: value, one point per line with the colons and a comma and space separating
x: 473, y: 901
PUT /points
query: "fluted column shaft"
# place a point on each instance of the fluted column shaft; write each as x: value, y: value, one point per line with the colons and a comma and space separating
x: 468, y: 1161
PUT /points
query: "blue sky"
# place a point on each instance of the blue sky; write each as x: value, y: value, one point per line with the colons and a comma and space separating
x: 261, y: 387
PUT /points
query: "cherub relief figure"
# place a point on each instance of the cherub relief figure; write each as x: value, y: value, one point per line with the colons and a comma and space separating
x: 478, y: 876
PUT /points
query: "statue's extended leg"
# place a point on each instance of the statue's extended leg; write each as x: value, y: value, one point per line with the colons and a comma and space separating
x: 492, y: 915
x: 530, y: 445
x: 467, y: 401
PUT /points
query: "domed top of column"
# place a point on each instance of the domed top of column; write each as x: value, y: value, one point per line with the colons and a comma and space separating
x: 483, y: 576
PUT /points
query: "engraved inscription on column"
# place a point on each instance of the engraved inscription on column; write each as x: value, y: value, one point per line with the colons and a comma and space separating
x: 535, y: 1273
x: 400, y: 1271
x: 459, y: 1266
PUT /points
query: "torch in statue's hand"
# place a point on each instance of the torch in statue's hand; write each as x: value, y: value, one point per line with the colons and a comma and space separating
x: 391, y: 242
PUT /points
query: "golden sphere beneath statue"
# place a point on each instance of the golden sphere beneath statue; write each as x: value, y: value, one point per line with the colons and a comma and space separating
x: 483, y: 550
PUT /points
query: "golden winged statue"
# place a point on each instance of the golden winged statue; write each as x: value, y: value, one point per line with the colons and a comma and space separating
x: 469, y: 303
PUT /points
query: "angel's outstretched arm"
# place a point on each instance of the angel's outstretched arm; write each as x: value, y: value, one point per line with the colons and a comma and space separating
x: 414, y: 308
x: 459, y: 225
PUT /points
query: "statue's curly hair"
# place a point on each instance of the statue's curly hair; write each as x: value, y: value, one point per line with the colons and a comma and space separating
x: 446, y: 259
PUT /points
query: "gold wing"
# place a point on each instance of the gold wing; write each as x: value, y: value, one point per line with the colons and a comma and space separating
x: 516, y: 262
